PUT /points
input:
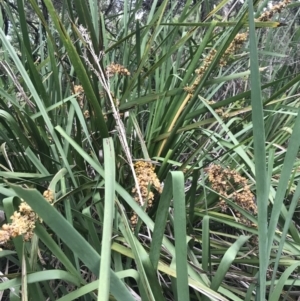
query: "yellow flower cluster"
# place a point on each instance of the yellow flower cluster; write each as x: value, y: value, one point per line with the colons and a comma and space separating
x: 113, y: 69
x: 267, y: 15
x: 147, y: 178
x: 23, y: 221
x: 233, y: 48
x: 235, y: 45
x: 230, y: 184
x: 201, y: 71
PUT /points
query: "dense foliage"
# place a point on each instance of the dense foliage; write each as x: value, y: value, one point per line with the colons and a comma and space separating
x: 149, y: 150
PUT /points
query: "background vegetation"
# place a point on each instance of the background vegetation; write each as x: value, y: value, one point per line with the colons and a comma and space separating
x: 149, y: 150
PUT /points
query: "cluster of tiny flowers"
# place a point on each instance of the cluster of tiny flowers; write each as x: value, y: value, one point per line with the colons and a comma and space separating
x: 48, y: 195
x: 240, y: 38
x: 267, y: 15
x: 230, y: 184
x: 234, y: 47
x: 78, y: 89
x: 146, y: 178
x: 23, y: 221
x: 86, y: 114
x: 201, y: 71
x: 221, y: 113
x: 113, y: 69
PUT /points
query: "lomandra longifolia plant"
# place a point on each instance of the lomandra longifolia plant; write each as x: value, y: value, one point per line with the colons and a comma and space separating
x: 148, y: 150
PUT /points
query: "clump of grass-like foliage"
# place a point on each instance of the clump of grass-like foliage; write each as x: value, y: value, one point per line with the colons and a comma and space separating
x: 152, y: 158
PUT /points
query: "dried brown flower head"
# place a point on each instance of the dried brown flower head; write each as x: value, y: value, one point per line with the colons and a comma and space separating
x: 113, y: 69
x: 146, y: 178
x: 235, y: 45
x: 23, y: 223
x: 49, y: 195
x: 86, y: 114
x: 267, y: 15
x: 78, y: 89
x: 230, y: 184
x: 233, y: 48
x: 133, y: 220
x: 4, y: 235
x: 207, y: 61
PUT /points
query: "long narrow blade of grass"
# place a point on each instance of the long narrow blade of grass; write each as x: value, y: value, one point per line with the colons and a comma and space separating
x: 56, y: 250
x: 226, y: 261
x: 94, y: 285
x: 42, y: 276
x: 259, y: 157
x: 160, y: 221
x: 288, y: 221
x: 148, y: 284
x: 288, y: 165
x: 24, y: 278
x: 205, y: 243
x: 109, y: 170
x: 180, y: 236
x: 277, y: 293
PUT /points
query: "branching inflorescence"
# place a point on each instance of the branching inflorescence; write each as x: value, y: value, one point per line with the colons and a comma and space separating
x: 229, y: 184
x: 234, y: 46
x: 147, y: 178
x: 23, y: 221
